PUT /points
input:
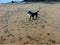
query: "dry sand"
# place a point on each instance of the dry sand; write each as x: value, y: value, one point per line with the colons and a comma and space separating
x: 16, y: 29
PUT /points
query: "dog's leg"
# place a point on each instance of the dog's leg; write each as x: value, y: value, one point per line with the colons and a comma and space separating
x: 30, y: 18
x: 36, y: 17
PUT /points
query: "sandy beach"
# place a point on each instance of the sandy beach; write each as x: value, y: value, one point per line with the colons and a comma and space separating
x: 15, y: 27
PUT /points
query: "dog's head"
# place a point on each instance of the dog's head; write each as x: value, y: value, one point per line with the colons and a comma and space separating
x: 29, y: 12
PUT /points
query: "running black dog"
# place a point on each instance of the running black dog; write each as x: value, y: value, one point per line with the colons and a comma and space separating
x: 32, y: 15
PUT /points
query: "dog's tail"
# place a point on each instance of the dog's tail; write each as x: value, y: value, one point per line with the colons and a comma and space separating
x: 37, y: 11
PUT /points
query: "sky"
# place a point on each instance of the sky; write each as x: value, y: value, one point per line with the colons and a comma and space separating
x: 5, y: 1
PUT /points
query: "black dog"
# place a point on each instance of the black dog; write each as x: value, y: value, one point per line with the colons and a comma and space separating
x: 32, y: 15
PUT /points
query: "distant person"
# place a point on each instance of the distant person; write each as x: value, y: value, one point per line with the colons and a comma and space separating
x: 12, y: 2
